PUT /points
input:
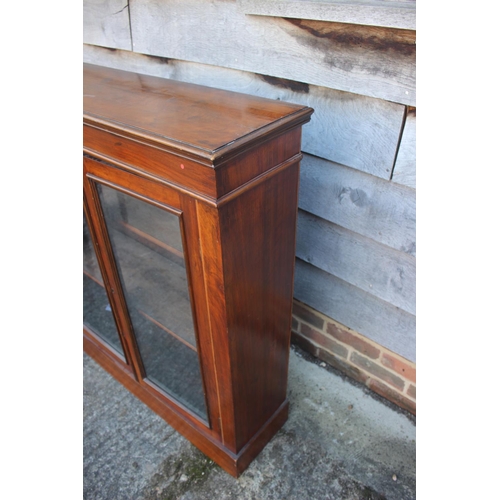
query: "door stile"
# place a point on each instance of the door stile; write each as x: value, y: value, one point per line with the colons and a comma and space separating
x: 107, y: 287
x: 114, y: 288
x: 213, y: 271
x: 196, y: 281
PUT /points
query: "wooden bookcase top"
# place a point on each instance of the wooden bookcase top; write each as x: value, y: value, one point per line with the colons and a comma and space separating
x: 203, y: 122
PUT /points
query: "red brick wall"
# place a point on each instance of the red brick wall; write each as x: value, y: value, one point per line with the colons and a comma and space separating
x: 386, y: 373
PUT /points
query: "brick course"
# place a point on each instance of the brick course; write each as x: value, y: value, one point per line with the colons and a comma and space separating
x: 378, y: 371
x: 308, y: 315
x: 386, y: 373
x: 357, y: 343
x: 403, y: 368
x: 412, y: 392
x: 322, y: 354
x: 323, y: 340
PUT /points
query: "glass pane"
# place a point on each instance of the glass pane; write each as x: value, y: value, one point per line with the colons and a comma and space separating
x: 97, y: 313
x: 147, y: 245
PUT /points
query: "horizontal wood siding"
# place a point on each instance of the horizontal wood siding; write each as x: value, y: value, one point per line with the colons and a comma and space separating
x: 366, y: 60
x: 371, y: 207
x: 369, y: 12
x: 356, y: 131
x: 107, y: 23
x: 405, y: 168
x: 381, y: 322
x: 356, y: 240
x: 362, y: 262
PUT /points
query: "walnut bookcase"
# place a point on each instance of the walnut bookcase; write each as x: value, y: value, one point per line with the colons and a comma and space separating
x: 190, y: 208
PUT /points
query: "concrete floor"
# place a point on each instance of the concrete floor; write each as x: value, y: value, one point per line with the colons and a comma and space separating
x: 340, y: 442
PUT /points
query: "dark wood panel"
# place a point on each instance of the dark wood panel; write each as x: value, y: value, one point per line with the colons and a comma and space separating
x: 258, y: 253
x: 181, y: 116
x: 213, y: 273
x: 256, y: 161
x: 128, y: 182
x: 201, y: 316
x: 141, y: 158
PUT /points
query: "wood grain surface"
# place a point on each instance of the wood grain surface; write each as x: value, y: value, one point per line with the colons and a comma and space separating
x: 180, y: 115
x: 405, y: 169
x: 357, y: 131
x: 382, y: 322
x: 366, y: 60
x: 380, y: 210
x: 227, y: 393
x: 106, y: 22
x: 385, y: 273
x: 391, y: 14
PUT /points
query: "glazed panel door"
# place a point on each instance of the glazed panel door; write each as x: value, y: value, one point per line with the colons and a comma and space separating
x: 144, y: 241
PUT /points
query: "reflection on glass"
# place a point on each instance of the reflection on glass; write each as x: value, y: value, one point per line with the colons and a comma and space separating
x: 147, y: 246
x: 97, y: 313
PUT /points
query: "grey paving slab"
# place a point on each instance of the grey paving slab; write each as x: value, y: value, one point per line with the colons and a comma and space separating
x: 340, y: 443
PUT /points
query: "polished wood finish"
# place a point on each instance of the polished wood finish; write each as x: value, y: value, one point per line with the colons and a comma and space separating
x: 227, y: 165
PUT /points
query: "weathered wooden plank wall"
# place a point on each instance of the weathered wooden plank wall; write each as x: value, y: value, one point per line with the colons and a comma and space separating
x: 356, y: 232
x: 382, y: 211
x: 107, y: 23
x: 385, y: 273
x: 385, y: 13
x: 405, y: 168
x: 362, y: 311
x: 367, y: 60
